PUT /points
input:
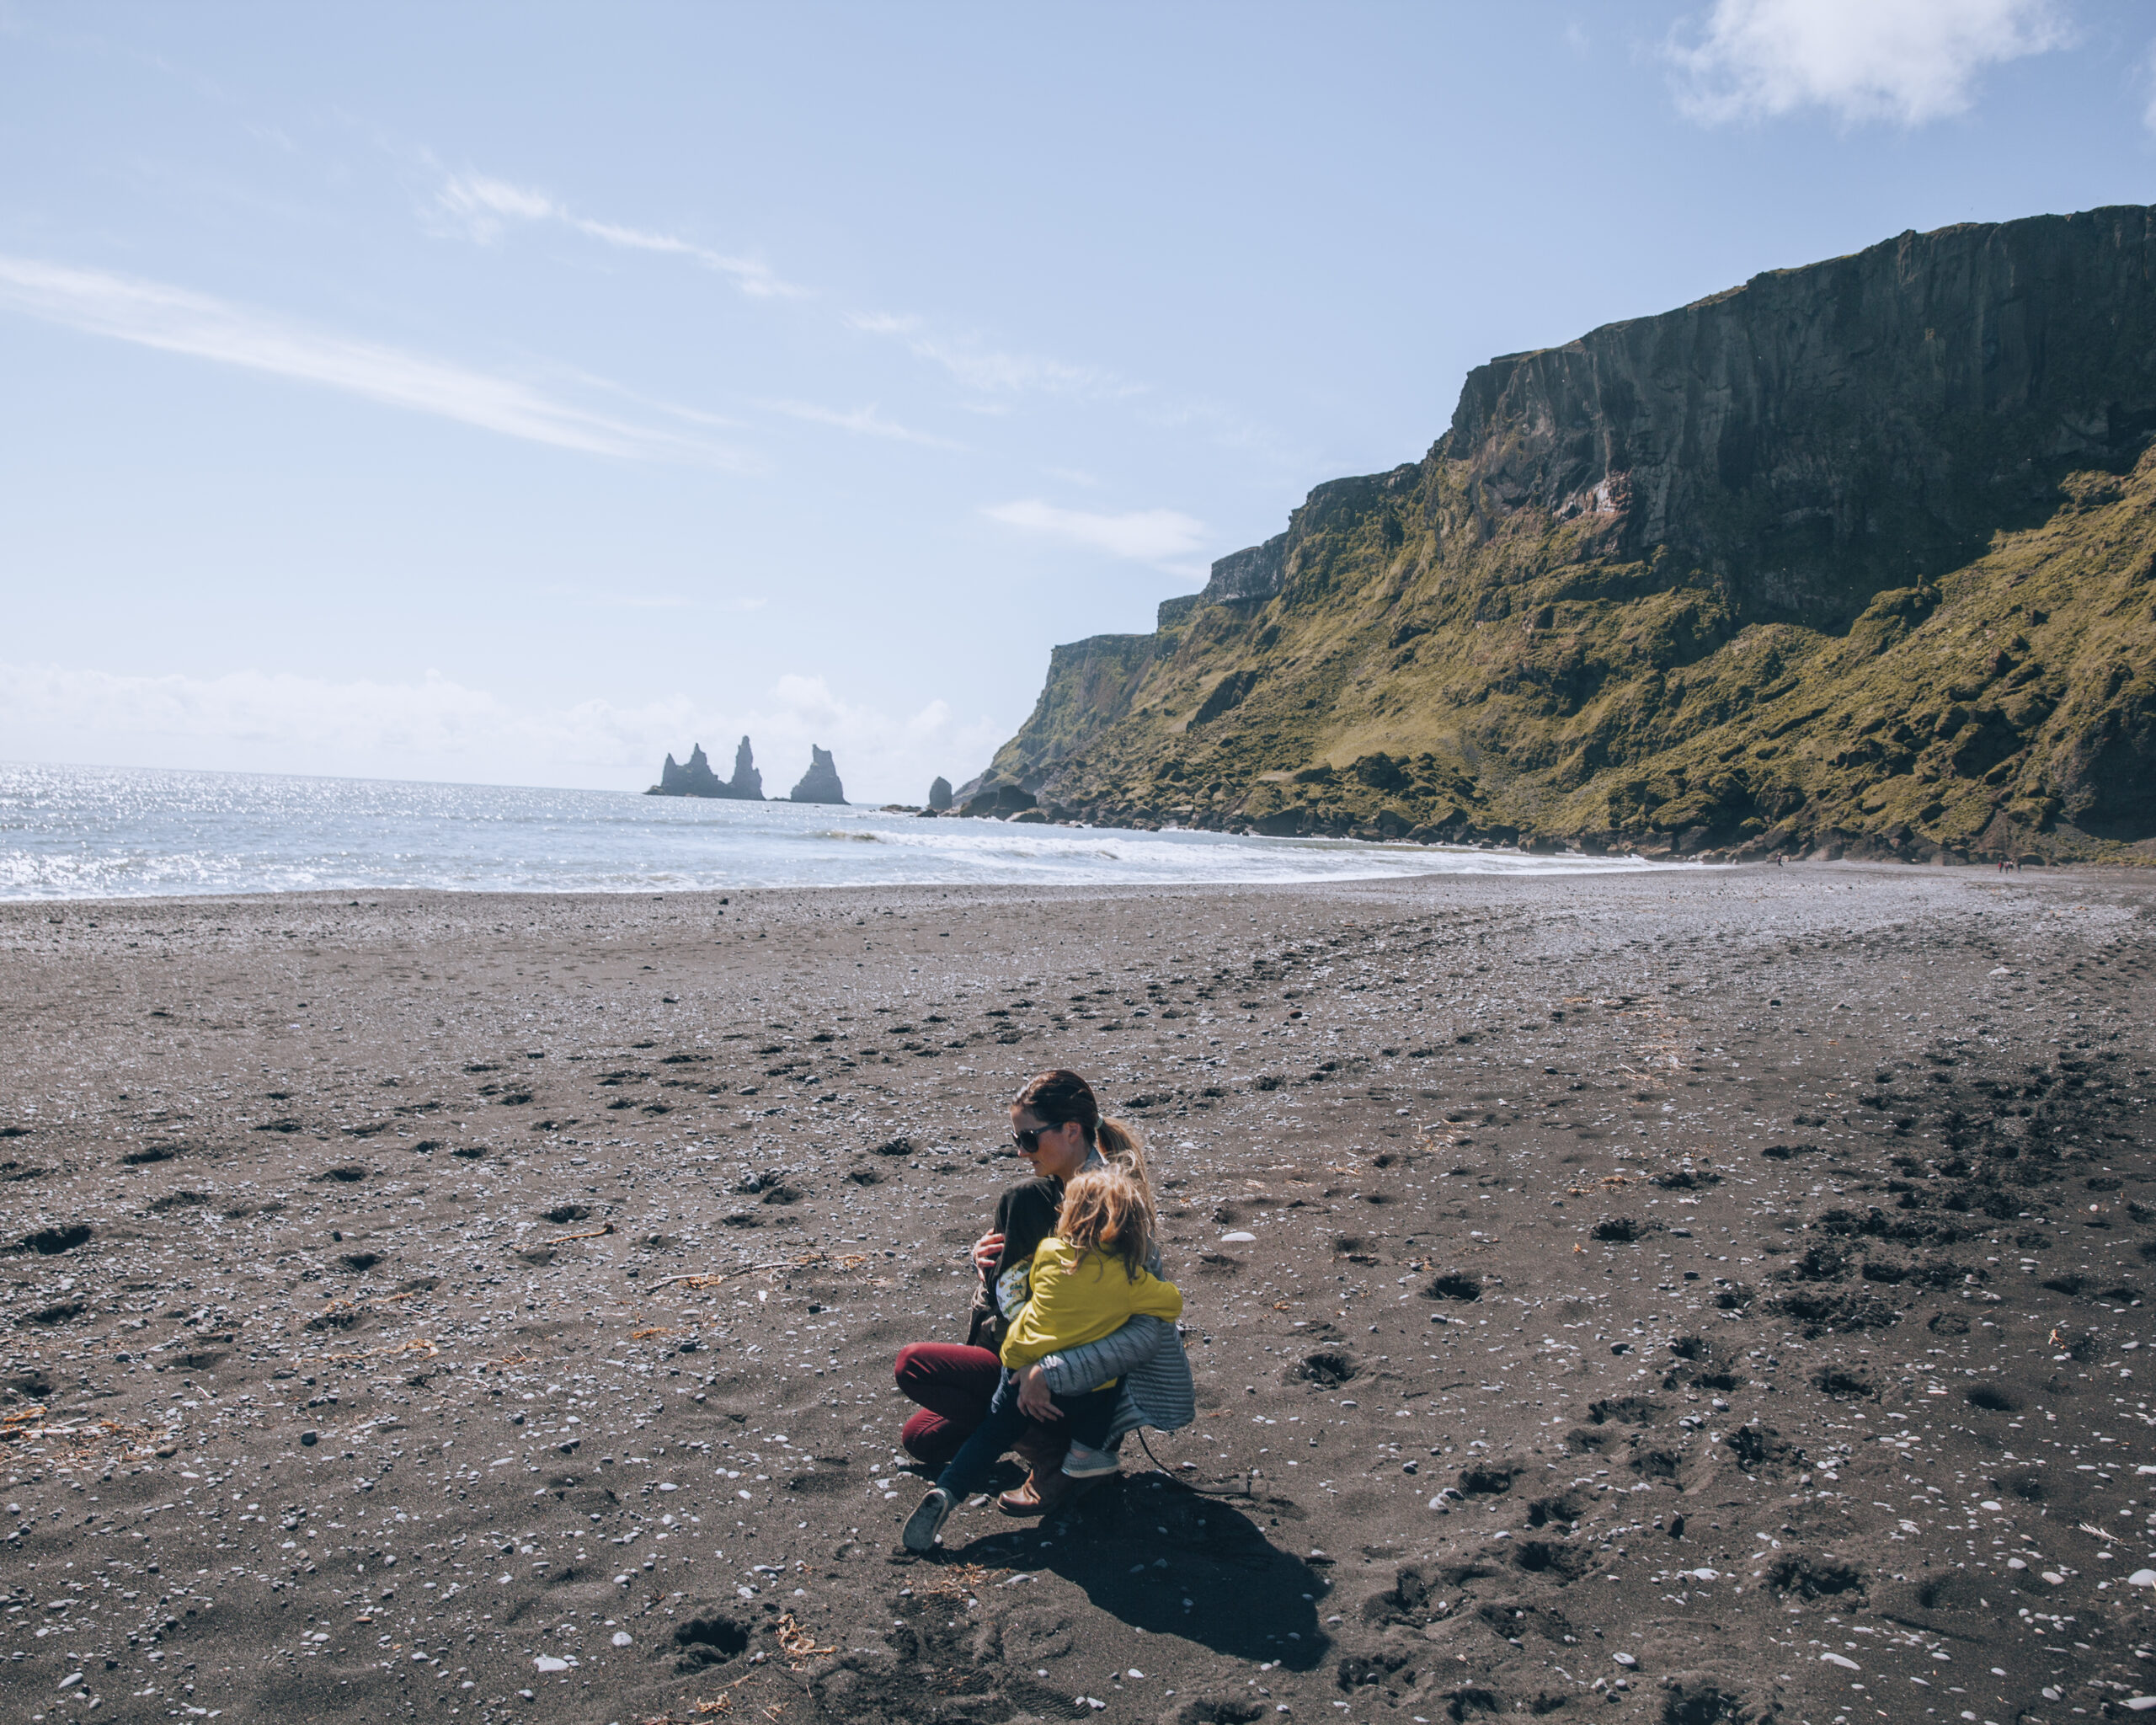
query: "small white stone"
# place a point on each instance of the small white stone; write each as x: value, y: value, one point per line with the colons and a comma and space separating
x: 622, y: 1638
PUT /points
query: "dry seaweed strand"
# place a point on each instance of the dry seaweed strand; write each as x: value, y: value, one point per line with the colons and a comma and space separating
x: 563, y: 1239
x: 712, y: 1279
x: 798, y: 1645
x: 335, y: 1306
x: 425, y: 1350
x: 722, y: 1702
x: 959, y: 1581
x: 68, y: 1443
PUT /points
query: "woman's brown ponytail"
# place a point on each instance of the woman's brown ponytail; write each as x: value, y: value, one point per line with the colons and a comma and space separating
x: 1119, y: 1142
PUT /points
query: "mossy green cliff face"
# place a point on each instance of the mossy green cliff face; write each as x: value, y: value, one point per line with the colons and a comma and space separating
x: 1859, y: 556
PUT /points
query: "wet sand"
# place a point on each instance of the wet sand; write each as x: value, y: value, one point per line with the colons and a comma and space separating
x: 1693, y: 1294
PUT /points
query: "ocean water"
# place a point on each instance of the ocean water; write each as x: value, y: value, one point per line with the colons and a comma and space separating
x: 74, y: 832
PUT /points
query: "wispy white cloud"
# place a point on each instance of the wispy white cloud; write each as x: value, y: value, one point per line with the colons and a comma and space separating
x: 176, y: 320
x: 1148, y: 535
x: 992, y: 371
x: 437, y: 728
x: 1904, y: 61
x: 865, y: 422
x: 483, y: 207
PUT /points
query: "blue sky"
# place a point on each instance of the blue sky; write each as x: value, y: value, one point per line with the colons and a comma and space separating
x: 516, y: 393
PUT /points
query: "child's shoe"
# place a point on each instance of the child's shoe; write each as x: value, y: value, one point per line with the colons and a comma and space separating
x: 926, y: 1522
x: 1082, y: 1463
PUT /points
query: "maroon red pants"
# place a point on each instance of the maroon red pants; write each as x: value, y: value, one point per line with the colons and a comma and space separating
x: 954, y: 1384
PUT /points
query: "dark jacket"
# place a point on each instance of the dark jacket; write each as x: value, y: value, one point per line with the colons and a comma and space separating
x: 1025, y: 1215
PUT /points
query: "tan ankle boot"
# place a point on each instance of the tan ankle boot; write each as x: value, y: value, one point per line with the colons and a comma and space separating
x: 1043, y: 1494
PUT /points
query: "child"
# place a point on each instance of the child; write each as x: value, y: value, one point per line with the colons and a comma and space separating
x: 1087, y: 1282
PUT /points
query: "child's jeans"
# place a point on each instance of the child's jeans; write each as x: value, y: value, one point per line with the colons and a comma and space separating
x: 1087, y: 1418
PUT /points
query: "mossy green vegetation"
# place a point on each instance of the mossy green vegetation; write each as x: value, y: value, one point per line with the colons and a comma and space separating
x: 1896, y: 602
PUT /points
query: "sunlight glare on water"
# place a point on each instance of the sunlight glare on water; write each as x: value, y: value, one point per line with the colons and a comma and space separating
x: 70, y: 832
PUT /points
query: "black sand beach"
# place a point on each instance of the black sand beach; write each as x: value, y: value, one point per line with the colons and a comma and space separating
x: 1688, y: 1296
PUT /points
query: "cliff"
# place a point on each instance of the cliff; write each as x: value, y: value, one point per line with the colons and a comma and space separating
x: 696, y: 779
x: 820, y: 783
x: 1857, y: 556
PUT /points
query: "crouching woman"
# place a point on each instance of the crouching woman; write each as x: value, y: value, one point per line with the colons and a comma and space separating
x: 1087, y: 1281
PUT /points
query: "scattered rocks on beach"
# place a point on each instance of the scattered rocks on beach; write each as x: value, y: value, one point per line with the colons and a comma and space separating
x: 1677, y: 1296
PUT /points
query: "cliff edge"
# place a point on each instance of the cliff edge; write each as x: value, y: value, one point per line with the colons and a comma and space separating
x: 1857, y: 557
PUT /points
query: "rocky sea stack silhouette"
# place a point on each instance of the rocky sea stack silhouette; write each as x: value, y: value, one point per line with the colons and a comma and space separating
x: 820, y: 783
x: 696, y: 779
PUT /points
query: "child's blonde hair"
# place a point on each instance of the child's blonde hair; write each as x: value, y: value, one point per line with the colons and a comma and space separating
x: 1105, y: 1210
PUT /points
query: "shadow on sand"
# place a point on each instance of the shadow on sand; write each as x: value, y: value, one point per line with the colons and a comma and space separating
x: 1160, y: 1556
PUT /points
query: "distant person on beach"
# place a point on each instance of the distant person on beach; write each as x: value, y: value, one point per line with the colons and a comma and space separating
x: 1082, y: 1284
x: 1056, y: 1125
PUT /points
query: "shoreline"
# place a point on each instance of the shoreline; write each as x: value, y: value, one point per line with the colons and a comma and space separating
x: 1577, y: 1205
x: 2122, y: 873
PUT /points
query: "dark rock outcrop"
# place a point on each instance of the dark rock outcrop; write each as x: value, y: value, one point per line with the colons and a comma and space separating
x: 747, y: 783
x: 1860, y: 555
x: 939, y: 794
x: 696, y: 779
x: 996, y: 798
x: 820, y: 783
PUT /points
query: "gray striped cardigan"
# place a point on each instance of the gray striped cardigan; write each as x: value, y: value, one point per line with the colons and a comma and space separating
x: 1147, y: 1354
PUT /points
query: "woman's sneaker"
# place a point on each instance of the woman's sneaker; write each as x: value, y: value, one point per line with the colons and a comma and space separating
x: 927, y: 1521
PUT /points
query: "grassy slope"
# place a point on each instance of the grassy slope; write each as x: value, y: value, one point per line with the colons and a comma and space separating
x: 1415, y: 675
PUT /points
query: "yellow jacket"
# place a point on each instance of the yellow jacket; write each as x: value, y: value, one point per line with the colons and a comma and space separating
x: 1080, y: 1297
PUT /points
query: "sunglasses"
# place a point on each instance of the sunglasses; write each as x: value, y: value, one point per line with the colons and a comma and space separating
x: 1029, y: 1141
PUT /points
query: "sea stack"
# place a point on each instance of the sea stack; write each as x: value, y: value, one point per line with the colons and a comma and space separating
x: 820, y: 783
x: 939, y: 794
x: 696, y: 779
x: 747, y: 783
